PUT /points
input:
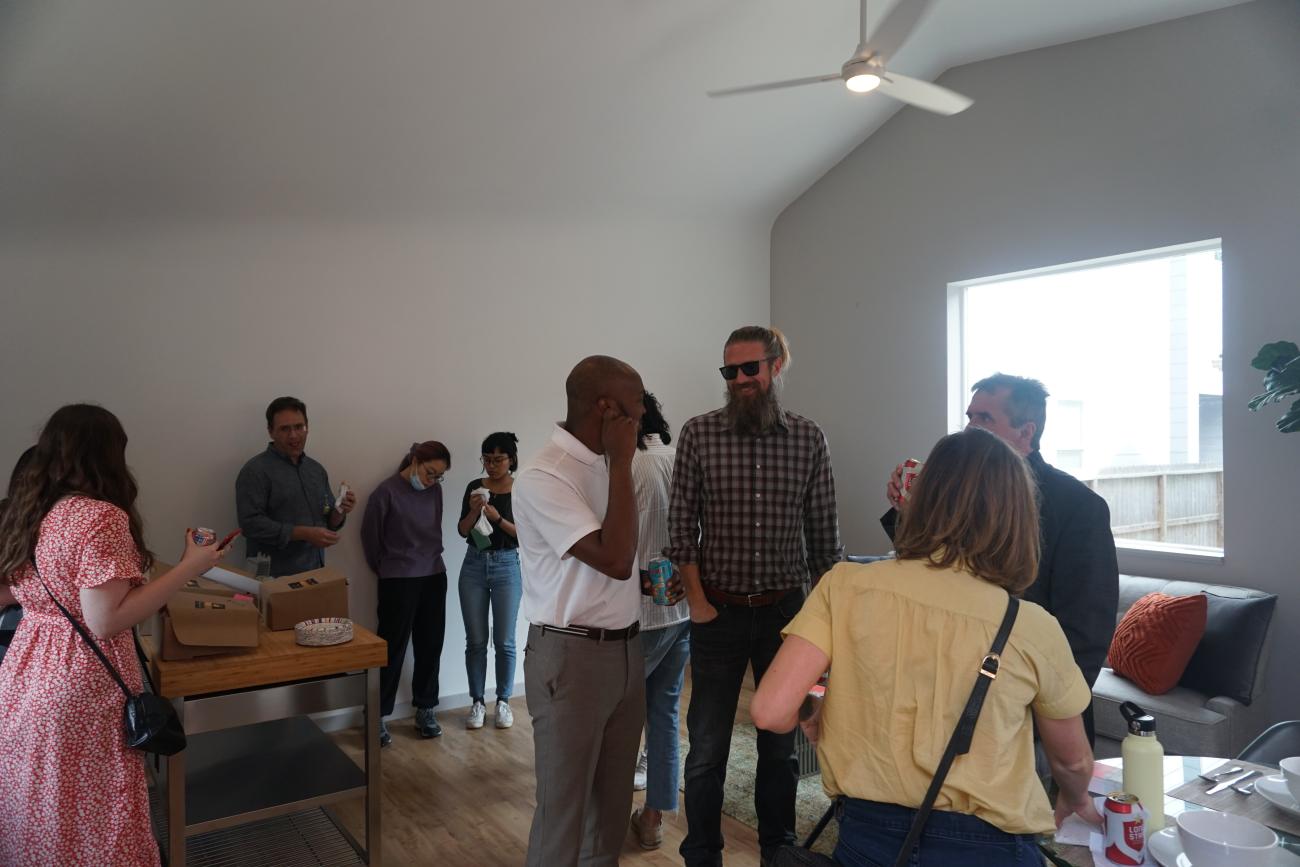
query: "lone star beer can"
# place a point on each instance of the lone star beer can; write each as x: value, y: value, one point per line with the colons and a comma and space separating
x: 1125, y: 829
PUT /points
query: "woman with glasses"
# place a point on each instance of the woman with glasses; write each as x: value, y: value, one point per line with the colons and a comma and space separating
x: 401, y: 536
x: 490, y: 577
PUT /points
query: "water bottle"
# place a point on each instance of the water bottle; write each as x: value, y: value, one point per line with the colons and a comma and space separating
x: 1144, y: 764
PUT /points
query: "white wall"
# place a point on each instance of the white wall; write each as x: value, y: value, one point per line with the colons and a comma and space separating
x: 1171, y: 133
x: 390, y: 333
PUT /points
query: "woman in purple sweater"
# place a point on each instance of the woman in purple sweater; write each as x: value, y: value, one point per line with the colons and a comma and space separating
x: 402, y: 538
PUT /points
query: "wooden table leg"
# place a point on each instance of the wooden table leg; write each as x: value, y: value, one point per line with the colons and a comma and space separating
x: 373, y: 780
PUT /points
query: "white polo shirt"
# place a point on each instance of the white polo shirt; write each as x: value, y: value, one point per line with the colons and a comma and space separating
x: 559, y: 497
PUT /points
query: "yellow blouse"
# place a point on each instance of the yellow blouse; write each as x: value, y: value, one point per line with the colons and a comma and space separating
x: 905, y: 641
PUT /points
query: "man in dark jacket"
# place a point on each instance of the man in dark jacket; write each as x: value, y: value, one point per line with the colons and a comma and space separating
x: 1078, y: 575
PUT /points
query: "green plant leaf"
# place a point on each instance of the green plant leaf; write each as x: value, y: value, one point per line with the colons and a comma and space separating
x: 1290, y: 423
x: 1275, y: 354
x: 1284, y: 377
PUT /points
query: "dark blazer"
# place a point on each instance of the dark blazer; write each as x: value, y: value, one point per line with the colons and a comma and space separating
x: 1078, y: 574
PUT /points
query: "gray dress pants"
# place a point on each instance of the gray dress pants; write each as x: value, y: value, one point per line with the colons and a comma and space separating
x: 587, y: 702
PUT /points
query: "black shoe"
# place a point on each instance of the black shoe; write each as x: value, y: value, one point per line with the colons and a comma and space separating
x: 426, y: 723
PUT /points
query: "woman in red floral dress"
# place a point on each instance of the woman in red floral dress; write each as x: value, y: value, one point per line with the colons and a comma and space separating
x: 71, y: 792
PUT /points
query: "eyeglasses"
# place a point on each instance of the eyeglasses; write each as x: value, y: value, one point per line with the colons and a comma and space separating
x: 749, y: 368
x: 437, y: 477
x: 494, y: 460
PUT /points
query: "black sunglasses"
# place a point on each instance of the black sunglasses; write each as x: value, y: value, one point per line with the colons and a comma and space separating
x: 749, y: 368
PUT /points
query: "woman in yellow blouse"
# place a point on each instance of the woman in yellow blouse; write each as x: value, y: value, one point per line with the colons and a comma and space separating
x: 904, y: 640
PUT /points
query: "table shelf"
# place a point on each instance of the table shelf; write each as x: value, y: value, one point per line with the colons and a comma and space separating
x: 258, y: 771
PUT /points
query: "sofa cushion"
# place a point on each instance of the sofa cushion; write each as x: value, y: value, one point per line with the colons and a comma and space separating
x: 1156, y: 638
x: 1184, y: 724
x: 1225, y: 661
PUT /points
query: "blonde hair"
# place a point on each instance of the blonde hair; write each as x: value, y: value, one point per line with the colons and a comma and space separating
x: 775, y: 344
x: 974, y: 506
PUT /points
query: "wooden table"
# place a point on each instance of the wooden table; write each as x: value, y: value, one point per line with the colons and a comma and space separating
x: 1178, y: 770
x: 252, y: 751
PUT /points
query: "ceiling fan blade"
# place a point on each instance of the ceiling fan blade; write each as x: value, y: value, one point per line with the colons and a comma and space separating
x: 775, y: 85
x: 897, y: 26
x: 923, y: 94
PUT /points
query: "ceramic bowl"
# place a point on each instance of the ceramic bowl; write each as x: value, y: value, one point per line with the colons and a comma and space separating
x: 1214, y: 839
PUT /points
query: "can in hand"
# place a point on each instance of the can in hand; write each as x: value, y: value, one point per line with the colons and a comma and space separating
x: 661, y: 569
x: 911, y: 469
x: 1124, y: 823
x: 204, y: 536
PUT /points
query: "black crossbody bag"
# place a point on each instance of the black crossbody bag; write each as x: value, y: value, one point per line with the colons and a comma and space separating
x: 149, y: 721
x: 958, y: 745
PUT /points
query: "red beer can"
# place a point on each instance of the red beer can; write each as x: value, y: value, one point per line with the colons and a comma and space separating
x: 911, y: 469
x: 1125, y: 829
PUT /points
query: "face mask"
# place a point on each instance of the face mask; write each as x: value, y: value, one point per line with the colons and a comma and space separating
x: 415, y: 479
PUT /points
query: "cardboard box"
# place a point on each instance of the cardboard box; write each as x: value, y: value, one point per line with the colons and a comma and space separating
x: 291, y: 599
x: 202, y: 624
x: 221, y: 580
x: 208, y: 587
x: 237, y: 579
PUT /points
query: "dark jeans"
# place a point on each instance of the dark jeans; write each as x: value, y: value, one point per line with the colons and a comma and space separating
x: 872, y: 833
x: 720, y: 651
x: 414, y: 610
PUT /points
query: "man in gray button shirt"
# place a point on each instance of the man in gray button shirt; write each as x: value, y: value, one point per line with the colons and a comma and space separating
x: 283, y: 498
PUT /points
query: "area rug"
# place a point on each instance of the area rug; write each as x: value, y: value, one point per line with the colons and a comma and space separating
x: 738, y: 790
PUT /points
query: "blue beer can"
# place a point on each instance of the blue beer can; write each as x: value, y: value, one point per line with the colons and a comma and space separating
x: 661, y: 569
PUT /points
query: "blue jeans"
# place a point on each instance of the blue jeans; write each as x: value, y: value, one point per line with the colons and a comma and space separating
x: 871, y: 834
x: 666, y: 651
x: 490, y: 578
x: 721, y: 650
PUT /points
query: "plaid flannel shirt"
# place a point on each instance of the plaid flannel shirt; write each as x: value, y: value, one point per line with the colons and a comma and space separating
x: 755, y: 513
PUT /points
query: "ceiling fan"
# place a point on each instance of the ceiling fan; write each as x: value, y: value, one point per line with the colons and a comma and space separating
x: 865, y: 71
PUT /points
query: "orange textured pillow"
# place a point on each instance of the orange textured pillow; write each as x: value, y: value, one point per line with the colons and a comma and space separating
x: 1156, y: 639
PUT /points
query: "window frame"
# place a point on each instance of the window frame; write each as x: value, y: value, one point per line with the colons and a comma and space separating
x: 1135, y: 554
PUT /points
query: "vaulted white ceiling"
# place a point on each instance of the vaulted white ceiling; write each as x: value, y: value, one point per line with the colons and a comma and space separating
x: 402, y: 109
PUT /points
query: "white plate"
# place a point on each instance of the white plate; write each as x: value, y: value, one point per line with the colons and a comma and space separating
x: 1274, y: 790
x: 1165, y: 847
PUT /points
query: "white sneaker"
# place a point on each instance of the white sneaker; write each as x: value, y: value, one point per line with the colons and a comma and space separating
x: 505, y: 716
x: 477, y: 714
x: 638, y: 778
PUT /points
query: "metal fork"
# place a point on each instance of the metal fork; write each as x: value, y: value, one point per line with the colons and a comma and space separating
x: 1247, y: 789
x: 1214, y: 777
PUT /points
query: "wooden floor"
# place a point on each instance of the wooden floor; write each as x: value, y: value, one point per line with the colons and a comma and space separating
x: 466, y: 798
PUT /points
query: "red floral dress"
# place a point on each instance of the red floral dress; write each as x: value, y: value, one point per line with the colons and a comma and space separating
x: 71, y: 792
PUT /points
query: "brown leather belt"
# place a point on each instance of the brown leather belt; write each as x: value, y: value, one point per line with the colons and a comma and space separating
x: 748, y: 600
x: 595, y: 633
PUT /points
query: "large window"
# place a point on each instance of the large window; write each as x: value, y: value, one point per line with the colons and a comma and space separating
x: 1130, y: 348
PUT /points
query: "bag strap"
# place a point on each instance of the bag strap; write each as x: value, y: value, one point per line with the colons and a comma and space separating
x: 959, y: 743
x: 144, y: 661
x: 81, y: 630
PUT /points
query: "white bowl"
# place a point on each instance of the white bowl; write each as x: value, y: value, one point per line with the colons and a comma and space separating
x: 1291, y: 773
x: 1214, y: 839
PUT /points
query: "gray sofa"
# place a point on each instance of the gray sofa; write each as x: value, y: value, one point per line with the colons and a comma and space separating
x: 1215, y: 710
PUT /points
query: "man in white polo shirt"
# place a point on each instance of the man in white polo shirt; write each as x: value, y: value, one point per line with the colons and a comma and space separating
x: 576, y: 513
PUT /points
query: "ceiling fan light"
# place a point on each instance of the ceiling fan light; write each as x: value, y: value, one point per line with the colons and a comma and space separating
x: 862, y: 82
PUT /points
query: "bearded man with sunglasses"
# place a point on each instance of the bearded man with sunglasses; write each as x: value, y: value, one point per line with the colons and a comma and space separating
x: 752, y: 521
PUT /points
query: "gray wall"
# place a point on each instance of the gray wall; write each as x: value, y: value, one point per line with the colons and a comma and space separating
x: 390, y: 333
x: 1170, y: 133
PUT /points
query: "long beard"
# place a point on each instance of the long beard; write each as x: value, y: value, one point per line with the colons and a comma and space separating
x: 754, y: 414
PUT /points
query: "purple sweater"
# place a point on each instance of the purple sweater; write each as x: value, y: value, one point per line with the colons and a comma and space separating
x: 401, y: 533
